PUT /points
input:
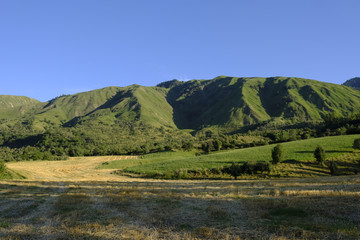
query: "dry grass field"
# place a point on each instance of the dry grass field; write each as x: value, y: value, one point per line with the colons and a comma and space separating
x: 74, y: 200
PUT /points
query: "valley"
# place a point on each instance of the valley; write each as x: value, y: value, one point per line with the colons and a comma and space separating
x: 68, y: 203
x: 154, y: 162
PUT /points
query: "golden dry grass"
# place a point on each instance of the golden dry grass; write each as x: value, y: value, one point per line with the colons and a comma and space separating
x: 99, y: 205
x: 76, y: 168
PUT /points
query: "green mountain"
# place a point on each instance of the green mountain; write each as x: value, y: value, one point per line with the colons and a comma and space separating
x: 353, y: 82
x: 205, y: 114
x: 226, y: 102
x: 234, y: 102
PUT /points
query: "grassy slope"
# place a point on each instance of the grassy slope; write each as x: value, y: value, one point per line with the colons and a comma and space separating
x: 223, y: 101
x: 154, y: 109
x: 233, y: 101
x: 65, y: 108
x: 106, y: 105
x: 15, y: 106
x: 298, y: 150
x: 147, y: 159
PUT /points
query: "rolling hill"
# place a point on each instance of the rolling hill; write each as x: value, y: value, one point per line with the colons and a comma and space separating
x: 107, y: 105
x: 226, y: 102
x: 198, y: 114
x: 235, y: 102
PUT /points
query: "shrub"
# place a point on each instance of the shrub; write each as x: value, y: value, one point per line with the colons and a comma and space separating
x: 356, y: 144
x: 319, y: 154
x: 332, y: 167
x: 277, y: 154
x: 217, y: 145
x: 2, y: 166
x: 181, y: 173
x: 255, y: 167
x: 188, y: 146
x: 235, y: 170
x: 217, y: 171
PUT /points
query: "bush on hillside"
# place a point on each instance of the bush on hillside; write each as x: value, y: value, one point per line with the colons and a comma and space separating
x: 235, y: 170
x: 217, y: 144
x: 188, y: 146
x: 255, y: 167
x: 2, y: 167
x: 277, y: 154
x: 356, y: 144
x: 333, y: 167
x: 319, y: 154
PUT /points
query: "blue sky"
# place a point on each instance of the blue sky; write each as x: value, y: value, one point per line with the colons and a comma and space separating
x: 49, y: 48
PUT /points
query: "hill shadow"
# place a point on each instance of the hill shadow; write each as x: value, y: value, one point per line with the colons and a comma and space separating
x: 197, y: 104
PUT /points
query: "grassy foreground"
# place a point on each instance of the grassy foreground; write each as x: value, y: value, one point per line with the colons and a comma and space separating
x: 320, y: 208
x: 299, y: 159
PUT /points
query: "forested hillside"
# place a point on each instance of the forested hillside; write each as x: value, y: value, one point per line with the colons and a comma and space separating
x: 225, y: 112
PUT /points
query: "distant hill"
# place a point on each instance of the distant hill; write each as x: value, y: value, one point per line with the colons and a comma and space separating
x: 16, y: 106
x: 353, y: 82
x: 226, y: 102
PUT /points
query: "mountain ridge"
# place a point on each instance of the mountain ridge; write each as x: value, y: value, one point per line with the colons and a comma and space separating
x: 227, y: 102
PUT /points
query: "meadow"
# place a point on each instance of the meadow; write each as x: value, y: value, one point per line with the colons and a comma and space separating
x: 299, y: 160
x: 312, y: 208
x: 81, y: 198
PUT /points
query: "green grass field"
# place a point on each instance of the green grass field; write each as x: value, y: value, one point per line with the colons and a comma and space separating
x: 298, y: 154
x: 10, y: 174
x: 147, y: 159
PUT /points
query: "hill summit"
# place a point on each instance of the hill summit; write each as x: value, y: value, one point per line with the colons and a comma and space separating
x: 226, y: 102
x: 353, y: 82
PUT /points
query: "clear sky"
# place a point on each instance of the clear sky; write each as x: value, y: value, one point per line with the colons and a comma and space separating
x: 54, y: 47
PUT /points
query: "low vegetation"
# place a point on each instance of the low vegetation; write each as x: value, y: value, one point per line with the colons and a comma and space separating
x: 319, y: 154
x: 298, y: 161
x: 277, y: 154
x: 320, y: 208
x: 73, y: 200
x: 253, y: 130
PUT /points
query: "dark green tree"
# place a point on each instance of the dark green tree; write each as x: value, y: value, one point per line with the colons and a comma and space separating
x: 188, y: 146
x: 217, y: 144
x: 319, y: 154
x: 277, y: 154
x: 207, y: 146
x: 235, y: 170
x: 2, y: 167
x: 332, y: 167
x: 356, y: 144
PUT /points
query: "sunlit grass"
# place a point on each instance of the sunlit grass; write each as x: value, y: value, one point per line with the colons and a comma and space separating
x: 298, y: 151
x: 146, y: 159
x: 313, y: 208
